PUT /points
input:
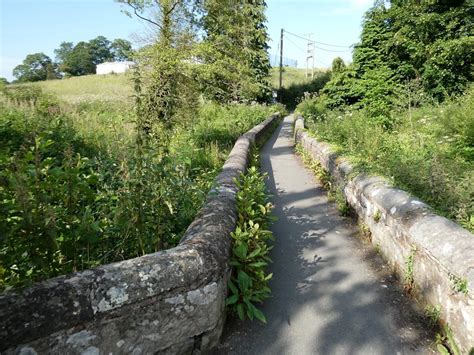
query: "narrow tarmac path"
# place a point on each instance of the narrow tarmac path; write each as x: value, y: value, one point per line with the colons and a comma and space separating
x: 330, y: 294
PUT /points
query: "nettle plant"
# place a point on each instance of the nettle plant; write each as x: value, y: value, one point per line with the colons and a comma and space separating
x: 250, y: 253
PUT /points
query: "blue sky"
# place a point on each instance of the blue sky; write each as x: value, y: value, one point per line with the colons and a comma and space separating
x: 31, y: 26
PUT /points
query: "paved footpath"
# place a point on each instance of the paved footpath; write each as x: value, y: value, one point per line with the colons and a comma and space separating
x: 330, y: 294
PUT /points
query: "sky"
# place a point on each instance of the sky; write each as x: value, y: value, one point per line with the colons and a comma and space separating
x: 32, y: 26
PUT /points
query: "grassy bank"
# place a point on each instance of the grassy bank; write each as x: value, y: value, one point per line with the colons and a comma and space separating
x: 292, y: 76
x: 429, y: 151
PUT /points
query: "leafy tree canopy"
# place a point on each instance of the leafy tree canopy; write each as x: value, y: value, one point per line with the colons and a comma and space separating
x: 65, y: 49
x: 82, y: 58
x: 74, y: 60
x: 100, y: 50
x: 35, y: 67
x: 427, y: 42
x: 338, y: 65
x: 234, y: 50
x: 121, y: 49
x: 80, y: 61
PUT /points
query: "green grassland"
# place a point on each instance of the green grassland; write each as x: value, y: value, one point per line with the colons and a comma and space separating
x: 291, y: 76
x: 118, y: 87
x: 111, y: 87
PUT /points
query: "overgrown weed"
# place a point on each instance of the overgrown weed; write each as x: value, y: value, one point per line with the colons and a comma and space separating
x: 77, y: 192
x: 429, y: 151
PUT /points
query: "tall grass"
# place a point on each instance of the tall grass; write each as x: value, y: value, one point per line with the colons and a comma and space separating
x: 110, y: 87
x: 429, y: 151
x: 292, y: 76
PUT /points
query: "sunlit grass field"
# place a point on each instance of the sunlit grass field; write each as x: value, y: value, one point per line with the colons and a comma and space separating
x: 111, y: 87
x: 119, y: 87
x: 291, y: 76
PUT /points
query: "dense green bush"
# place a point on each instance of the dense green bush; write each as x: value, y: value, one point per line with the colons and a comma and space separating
x: 77, y: 192
x: 22, y: 94
x: 250, y: 252
x: 313, y: 107
x: 292, y: 95
x: 428, y: 42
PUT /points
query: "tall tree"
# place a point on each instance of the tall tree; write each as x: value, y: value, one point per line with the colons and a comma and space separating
x: 165, y: 90
x: 82, y: 58
x: 235, y: 50
x: 121, y: 49
x: 100, y: 50
x: 258, y: 46
x: 35, y: 67
x: 80, y: 61
x: 426, y: 45
x: 63, y: 51
x: 430, y: 41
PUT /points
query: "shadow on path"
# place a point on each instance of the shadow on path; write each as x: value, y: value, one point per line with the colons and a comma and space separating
x: 326, y: 296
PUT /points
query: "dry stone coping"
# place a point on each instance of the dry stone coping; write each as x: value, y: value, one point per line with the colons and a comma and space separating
x: 443, y: 250
x: 50, y: 316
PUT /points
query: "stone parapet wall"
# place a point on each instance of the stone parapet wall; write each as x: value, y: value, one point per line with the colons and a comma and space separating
x: 410, y: 235
x: 171, y: 302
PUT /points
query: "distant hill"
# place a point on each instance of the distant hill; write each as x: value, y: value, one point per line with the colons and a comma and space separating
x: 291, y: 76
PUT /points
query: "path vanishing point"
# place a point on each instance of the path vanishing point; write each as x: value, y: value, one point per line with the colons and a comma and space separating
x: 331, y: 293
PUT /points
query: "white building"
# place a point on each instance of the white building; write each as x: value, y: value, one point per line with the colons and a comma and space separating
x: 113, y: 67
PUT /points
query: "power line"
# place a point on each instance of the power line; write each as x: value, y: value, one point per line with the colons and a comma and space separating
x: 297, y: 46
x: 310, y: 41
x: 332, y: 50
x: 320, y: 62
x: 322, y: 43
x: 331, y: 45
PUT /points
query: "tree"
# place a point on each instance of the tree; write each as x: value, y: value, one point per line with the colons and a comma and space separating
x: 426, y: 40
x: 82, y: 58
x: 79, y: 61
x: 234, y: 51
x: 429, y: 43
x: 121, y: 49
x: 338, y: 65
x: 3, y: 82
x: 100, y: 50
x: 166, y: 93
x: 258, y: 47
x: 36, y: 67
x: 64, y: 50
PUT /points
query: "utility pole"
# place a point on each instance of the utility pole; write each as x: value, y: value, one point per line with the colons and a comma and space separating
x: 310, y: 56
x: 281, y: 59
